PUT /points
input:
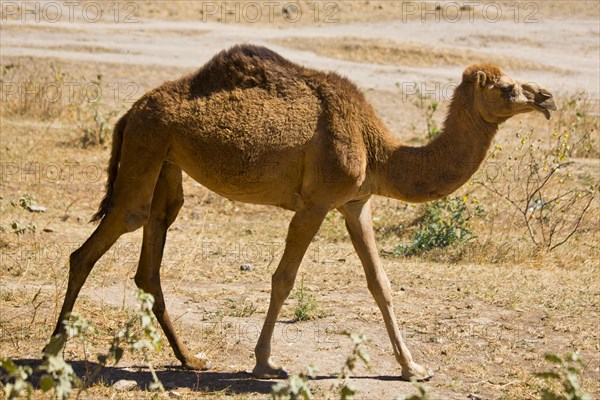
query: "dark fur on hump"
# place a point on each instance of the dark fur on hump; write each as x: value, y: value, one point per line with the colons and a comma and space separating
x: 246, y: 66
x: 243, y: 66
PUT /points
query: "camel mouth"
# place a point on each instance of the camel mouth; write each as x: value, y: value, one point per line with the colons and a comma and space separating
x: 539, y: 98
x: 544, y: 103
x: 543, y: 110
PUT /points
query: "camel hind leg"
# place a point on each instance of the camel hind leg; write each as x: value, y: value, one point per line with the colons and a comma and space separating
x: 132, y: 197
x: 166, y: 203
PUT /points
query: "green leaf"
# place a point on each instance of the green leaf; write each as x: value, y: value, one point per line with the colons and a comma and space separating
x: 547, y: 375
x: 8, y: 365
x: 553, y: 358
x: 46, y: 383
x: 347, y: 392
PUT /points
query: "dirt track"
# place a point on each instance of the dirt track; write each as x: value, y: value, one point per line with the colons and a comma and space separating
x: 552, y: 49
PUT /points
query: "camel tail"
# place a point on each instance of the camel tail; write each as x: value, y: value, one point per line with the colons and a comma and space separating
x: 113, y: 167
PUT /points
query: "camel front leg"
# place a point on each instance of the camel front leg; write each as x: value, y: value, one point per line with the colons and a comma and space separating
x: 302, y: 229
x: 360, y: 227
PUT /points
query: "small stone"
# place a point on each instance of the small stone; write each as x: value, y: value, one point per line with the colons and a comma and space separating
x: 49, y: 230
x: 124, y: 385
x: 473, y: 397
x: 34, y: 208
x: 246, y: 267
x: 174, y: 394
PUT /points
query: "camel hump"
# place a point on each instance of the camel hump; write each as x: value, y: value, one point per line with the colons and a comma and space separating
x: 252, y: 54
x: 243, y: 66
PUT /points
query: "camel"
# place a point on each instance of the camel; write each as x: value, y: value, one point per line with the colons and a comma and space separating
x: 254, y: 127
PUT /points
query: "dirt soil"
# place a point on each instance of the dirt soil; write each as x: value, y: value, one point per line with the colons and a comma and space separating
x: 481, y: 321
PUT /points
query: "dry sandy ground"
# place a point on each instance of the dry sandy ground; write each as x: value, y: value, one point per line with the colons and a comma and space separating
x: 467, y: 321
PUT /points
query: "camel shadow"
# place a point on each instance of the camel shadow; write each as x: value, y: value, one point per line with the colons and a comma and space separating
x: 373, y: 377
x: 172, y: 378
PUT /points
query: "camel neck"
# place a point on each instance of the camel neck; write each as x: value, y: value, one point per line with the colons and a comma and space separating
x: 419, y: 174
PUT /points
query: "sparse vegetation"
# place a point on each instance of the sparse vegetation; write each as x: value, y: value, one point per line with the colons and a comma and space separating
x: 16, y: 385
x: 58, y: 375
x: 94, y: 119
x: 566, y: 374
x: 49, y: 93
x: 32, y: 90
x: 578, y: 119
x: 297, y: 387
x: 538, y: 188
x: 422, y: 395
x: 428, y: 106
x: 359, y: 354
x: 307, y: 306
x: 444, y: 223
x: 19, y: 228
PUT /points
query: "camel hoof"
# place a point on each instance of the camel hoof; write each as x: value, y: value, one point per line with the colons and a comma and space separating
x: 269, y: 372
x: 416, y: 373
x: 196, y: 364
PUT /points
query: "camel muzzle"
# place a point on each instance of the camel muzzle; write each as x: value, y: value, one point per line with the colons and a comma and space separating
x: 540, y: 98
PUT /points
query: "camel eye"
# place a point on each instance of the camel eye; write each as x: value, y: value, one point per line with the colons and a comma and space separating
x: 506, y: 89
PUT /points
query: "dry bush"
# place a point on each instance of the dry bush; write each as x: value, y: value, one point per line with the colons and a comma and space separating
x: 578, y: 118
x: 539, y: 182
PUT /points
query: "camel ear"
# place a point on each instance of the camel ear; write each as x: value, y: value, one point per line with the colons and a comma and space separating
x: 481, y: 79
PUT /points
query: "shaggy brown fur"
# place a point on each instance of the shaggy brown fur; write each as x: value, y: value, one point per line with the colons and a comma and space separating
x: 257, y: 128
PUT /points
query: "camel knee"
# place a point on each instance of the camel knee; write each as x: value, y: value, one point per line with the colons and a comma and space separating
x: 380, y: 291
x: 147, y: 283
x: 281, y: 285
x: 137, y: 218
x: 142, y: 282
x: 79, y: 262
x: 75, y: 259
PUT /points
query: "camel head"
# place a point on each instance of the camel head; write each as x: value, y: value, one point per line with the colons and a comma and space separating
x: 497, y: 96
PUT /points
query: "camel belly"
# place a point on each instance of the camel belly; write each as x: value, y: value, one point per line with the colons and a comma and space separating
x: 248, y: 144
x: 269, y: 182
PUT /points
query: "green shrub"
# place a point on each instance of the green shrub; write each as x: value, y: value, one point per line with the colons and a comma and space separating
x: 444, y: 223
x: 59, y: 375
x: 307, y: 306
x: 567, y: 375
